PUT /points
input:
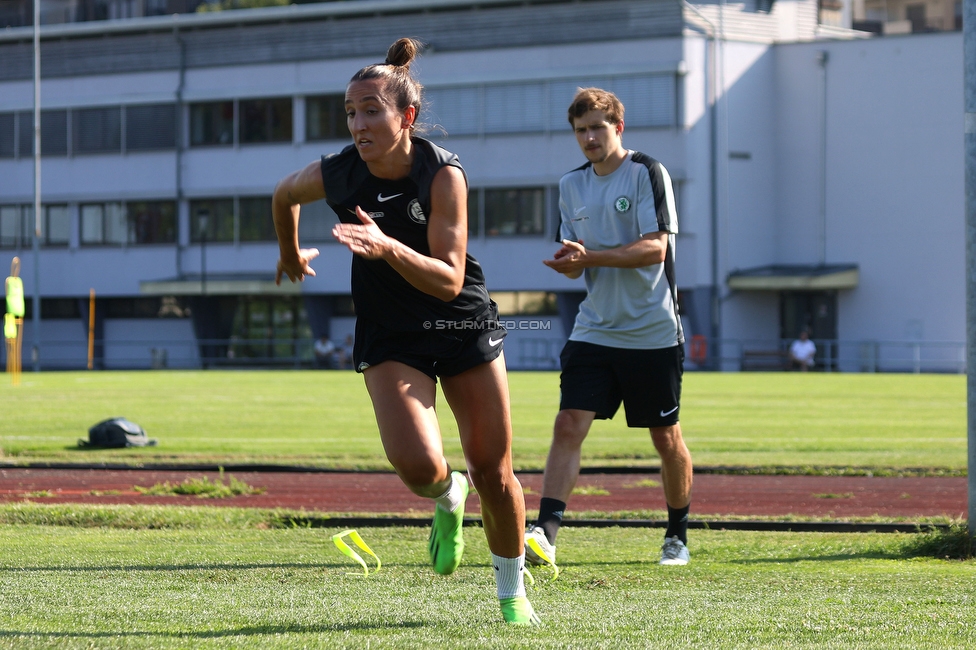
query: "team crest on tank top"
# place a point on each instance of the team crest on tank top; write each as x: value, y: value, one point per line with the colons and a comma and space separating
x: 416, y: 212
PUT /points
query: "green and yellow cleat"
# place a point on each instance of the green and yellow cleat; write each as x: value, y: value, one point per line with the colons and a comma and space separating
x: 446, y: 542
x: 518, y: 611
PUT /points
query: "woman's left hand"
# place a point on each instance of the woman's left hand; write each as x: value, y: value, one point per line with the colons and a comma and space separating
x: 366, y: 239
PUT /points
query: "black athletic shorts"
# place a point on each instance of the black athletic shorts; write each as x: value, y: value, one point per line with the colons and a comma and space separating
x: 442, y: 350
x: 597, y: 378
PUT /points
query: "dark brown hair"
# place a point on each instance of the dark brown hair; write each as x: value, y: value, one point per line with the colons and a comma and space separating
x: 399, y: 85
x: 590, y: 99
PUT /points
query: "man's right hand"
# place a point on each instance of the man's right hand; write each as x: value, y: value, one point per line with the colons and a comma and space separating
x: 570, y: 260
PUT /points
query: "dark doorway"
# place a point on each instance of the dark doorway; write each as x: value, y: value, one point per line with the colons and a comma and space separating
x: 815, y: 312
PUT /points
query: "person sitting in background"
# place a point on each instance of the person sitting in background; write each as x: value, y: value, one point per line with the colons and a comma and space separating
x: 802, y: 352
x: 344, y: 353
x: 325, y: 354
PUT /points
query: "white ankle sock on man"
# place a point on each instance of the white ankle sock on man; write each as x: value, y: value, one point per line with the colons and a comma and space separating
x: 508, y: 575
x: 451, y: 499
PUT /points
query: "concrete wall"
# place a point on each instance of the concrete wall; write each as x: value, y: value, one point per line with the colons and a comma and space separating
x: 894, y: 200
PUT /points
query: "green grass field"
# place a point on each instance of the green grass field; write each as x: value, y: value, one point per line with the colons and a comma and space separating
x: 324, y: 418
x: 76, y: 576
x: 181, y: 579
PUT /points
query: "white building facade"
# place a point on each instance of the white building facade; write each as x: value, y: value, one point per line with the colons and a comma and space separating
x: 818, y: 174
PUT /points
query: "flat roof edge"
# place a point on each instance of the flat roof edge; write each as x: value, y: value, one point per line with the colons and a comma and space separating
x: 216, y: 287
x: 258, y: 15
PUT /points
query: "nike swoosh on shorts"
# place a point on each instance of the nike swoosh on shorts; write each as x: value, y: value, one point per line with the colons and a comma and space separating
x: 664, y: 415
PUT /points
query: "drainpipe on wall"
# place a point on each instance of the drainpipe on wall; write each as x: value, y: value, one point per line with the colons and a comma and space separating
x: 822, y: 57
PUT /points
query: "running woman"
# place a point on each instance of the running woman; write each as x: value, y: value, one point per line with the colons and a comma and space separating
x: 422, y: 312
x: 618, y: 225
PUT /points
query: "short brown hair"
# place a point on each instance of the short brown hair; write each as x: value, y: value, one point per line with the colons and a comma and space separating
x: 590, y: 99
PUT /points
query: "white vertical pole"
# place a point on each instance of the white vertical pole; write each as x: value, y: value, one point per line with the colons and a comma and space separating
x: 36, y: 247
x: 969, y: 94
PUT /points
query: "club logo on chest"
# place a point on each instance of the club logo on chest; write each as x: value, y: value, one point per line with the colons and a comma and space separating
x: 416, y: 212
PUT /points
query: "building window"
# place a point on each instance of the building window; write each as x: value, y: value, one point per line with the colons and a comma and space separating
x: 515, y: 211
x: 651, y: 101
x: 57, y: 226
x: 150, y: 126
x: 212, y: 123
x: 165, y: 307
x: 915, y: 13
x: 251, y: 220
x: 102, y: 223
x: 522, y: 108
x: 266, y: 120
x: 25, y: 133
x: 60, y: 308
x: 256, y: 223
x: 266, y: 328
x: 316, y: 222
x: 94, y: 130
x: 151, y: 222
x: 325, y: 118
x: 458, y: 111
x: 474, y: 213
x: 8, y: 134
x: 514, y: 303
x: 54, y: 133
x: 16, y: 226
x: 219, y: 217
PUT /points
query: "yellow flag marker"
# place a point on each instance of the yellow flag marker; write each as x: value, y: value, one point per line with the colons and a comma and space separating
x: 9, y: 326
x: 346, y: 550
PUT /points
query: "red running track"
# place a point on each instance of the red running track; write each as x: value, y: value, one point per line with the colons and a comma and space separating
x: 826, y: 497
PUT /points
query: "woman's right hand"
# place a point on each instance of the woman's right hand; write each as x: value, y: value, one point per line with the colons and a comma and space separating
x: 298, y: 267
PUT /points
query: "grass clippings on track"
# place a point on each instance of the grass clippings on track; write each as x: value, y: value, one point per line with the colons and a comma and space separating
x: 202, y: 487
x: 228, y: 580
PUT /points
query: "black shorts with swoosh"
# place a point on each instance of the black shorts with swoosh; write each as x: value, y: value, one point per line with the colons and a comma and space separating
x: 597, y: 378
x: 445, y: 347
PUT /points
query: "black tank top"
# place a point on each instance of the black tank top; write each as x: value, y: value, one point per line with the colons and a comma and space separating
x: 399, y: 208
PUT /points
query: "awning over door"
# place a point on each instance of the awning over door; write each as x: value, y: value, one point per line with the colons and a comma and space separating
x: 795, y: 277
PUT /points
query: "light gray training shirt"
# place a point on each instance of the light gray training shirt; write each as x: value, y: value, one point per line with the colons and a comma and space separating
x: 624, y: 308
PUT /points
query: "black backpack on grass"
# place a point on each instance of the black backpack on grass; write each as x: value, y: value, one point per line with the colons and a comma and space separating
x: 117, y: 432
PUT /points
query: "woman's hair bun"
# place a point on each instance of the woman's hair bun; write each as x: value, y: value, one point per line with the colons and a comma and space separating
x: 403, y: 52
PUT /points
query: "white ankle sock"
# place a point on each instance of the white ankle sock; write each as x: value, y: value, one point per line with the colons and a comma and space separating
x: 451, y: 499
x: 508, y: 575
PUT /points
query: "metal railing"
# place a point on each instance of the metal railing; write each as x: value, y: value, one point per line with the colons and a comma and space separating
x: 847, y: 356
x: 528, y: 354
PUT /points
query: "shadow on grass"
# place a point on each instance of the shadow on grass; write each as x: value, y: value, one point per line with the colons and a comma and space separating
x: 179, y: 567
x: 257, y: 630
x: 197, y: 567
x: 952, y: 543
